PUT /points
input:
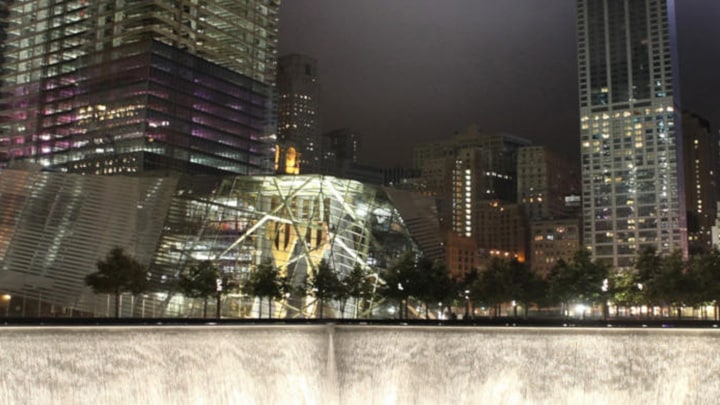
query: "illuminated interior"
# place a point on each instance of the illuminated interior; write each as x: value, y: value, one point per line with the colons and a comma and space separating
x: 237, y: 222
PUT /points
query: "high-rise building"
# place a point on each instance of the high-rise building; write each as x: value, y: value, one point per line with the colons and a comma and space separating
x: 112, y: 86
x: 339, y: 148
x: 700, y: 149
x: 543, y: 181
x: 299, y: 140
x: 632, y: 188
x: 491, y: 157
x: 553, y: 240
x: 474, y: 176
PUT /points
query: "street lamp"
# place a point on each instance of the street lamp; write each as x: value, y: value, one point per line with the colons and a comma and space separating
x: 467, y: 304
x: 6, y: 298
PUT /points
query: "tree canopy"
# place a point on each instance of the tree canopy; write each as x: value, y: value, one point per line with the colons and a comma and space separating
x: 200, y: 280
x: 324, y: 284
x: 266, y: 282
x: 118, y: 273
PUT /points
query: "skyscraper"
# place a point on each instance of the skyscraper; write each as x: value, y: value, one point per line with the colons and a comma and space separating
x: 473, y: 174
x: 299, y: 115
x: 630, y: 135
x: 543, y: 181
x: 120, y: 86
x: 700, y: 155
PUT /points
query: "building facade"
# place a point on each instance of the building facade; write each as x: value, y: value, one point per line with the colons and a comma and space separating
x: 632, y: 183
x: 54, y: 227
x: 700, y: 149
x: 122, y: 87
x: 474, y: 176
x: 491, y: 156
x: 551, y: 241
x: 544, y: 179
x: 299, y: 133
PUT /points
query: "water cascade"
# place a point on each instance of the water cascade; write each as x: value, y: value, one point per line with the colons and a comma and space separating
x: 339, y: 364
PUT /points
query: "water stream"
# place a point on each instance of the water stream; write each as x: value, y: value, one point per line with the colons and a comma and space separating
x: 357, y: 365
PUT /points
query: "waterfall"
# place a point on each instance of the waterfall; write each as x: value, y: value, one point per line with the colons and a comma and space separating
x: 332, y: 391
x: 338, y: 364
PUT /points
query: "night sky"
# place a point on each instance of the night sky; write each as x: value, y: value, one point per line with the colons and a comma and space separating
x: 400, y: 72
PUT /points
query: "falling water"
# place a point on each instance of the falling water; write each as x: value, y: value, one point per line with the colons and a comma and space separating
x: 357, y: 365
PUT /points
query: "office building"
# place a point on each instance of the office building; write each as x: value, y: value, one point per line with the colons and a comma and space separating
x: 299, y: 140
x: 632, y: 183
x: 492, y: 158
x: 501, y: 230
x: 339, y: 148
x: 473, y: 175
x: 700, y: 149
x: 112, y: 87
x: 544, y: 179
x: 553, y: 240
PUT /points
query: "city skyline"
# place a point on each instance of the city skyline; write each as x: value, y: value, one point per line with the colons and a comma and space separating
x: 383, y: 83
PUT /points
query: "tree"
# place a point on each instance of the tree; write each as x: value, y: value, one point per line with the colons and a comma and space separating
x: 626, y: 287
x: 592, y: 280
x: 494, y: 284
x: 525, y: 286
x: 117, y: 274
x: 561, y: 282
x: 433, y: 283
x: 265, y: 281
x: 357, y: 286
x: 361, y: 284
x: 324, y: 284
x: 580, y: 280
x: 400, y: 279
x: 200, y: 280
x: 704, y: 270
x: 466, y: 286
x: 649, y: 280
x: 672, y: 283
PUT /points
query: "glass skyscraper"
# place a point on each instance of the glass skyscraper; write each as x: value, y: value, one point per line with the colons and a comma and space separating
x: 123, y: 86
x: 630, y: 133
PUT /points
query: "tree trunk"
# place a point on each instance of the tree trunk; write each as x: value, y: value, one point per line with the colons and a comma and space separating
x: 427, y: 311
x: 117, y: 304
x: 217, y: 307
x: 205, y: 307
x: 269, y: 307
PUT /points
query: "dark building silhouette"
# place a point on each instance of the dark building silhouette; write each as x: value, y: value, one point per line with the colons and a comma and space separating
x: 299, y: 141
x: 700, y: 149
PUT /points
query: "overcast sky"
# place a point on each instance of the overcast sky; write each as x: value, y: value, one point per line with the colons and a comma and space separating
x: 401, y: 72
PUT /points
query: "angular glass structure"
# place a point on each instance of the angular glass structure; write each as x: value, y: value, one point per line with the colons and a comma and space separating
x: 124, y: 86
x: 632, y: 188
x: 55, y: 226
